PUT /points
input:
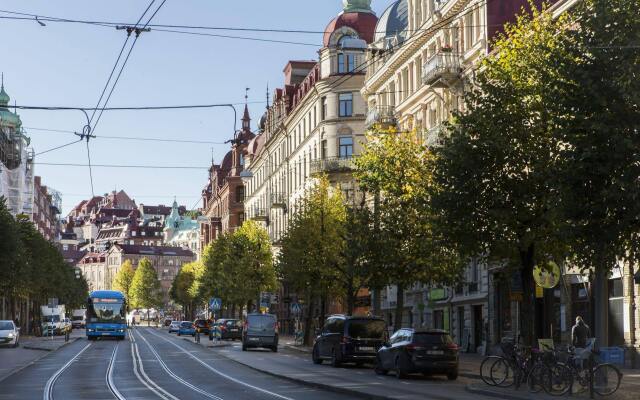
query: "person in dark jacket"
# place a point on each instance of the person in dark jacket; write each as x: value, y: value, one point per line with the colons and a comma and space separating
x: 580, y: 333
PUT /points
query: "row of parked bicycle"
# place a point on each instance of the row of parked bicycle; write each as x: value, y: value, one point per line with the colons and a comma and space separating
x: 556, y: 371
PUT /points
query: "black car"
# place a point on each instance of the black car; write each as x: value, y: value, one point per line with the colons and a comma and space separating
x: 202, y: 326
x: 430, y: 351
x: 230, y: 329
x: 349, y: 339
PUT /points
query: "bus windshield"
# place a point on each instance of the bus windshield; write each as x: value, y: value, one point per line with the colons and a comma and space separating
x: 106, y: 312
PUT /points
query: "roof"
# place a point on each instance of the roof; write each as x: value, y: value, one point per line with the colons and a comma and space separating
x: 106, y: 294
x: 161, y: 210
x: 154, y: 250
x: 393, y: 21
x: 362, y: 22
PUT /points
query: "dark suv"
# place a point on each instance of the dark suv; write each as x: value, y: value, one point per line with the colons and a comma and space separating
x: 430, y: 351
x: 260, y: 330
x: 349, y: 339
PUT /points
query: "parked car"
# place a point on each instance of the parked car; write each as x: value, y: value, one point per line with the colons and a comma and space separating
x: 187, y: 328
x: 349, y: 339
x: 229, y: 329
x: 167, y: 321
x: 174, y: 326
x: 260, y: 330
x: 202, y: 326
x: 430, y: 351
x: 9, y: 333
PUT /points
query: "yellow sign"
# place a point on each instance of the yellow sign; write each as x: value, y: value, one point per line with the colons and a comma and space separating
x: 548, y: 275
x: 539, y: 292
x: 546, y: 344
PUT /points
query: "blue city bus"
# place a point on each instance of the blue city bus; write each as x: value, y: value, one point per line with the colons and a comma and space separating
x: 106, y: 315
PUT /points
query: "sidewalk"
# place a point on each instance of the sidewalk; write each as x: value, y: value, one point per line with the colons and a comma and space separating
x: 49, y: 343
x: 470, y: 368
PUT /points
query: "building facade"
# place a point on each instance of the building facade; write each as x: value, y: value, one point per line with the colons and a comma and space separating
x: 47, y: 205
x: 224, y: 196
x: 181, y: 231
x: 16, y: 160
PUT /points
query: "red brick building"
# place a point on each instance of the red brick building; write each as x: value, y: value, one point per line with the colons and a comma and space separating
x: 223, y: 197
x: 46, y: 210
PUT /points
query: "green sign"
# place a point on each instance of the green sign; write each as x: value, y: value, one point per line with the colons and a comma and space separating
x: 437, y: 294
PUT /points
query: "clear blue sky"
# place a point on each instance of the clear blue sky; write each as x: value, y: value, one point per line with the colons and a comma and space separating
x: 65, y: 64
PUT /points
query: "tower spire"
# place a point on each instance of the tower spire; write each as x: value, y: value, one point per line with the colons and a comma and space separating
x: 267, y: 94
x: 246, y: 119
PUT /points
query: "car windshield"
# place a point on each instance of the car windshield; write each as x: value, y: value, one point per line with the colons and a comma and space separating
x: 366, y: 329
x: 77, y: 318
x: 6, y: 326
x: 186, y: 324
x: 231, y: 323
x: 261, y: 322
x: 423, y: 338
x: 109, y: 312
x: 51, y: 318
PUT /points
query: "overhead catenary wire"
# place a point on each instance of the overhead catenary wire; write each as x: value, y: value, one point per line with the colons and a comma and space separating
x: 143, y: 139
x: 59, y: 147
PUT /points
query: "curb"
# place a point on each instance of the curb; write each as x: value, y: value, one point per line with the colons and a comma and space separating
x: 296, y: 348
x: 317, y: 385
x: 475, y: 389
x: 32, y: 362
x: 48, y: 349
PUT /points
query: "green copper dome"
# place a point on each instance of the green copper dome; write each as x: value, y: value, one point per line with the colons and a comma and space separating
x: 7, y: 118
x: 4, y: 97
x: 351, y: 6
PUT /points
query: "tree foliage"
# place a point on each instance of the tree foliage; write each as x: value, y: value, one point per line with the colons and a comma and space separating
x: 399, y: 168
x: 124, y: 278
x: 145, y: 287
x: 185, y: 288
x: 238, y: 266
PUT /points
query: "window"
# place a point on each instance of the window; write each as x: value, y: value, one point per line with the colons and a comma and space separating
x: 346, y: 147
x: 323, y: 114
x: 239, y: 194
x: 133, y: 233
x: 346, y: 104
x: 240, y: 218
x: 144, y: 233
x: 324, y: 150
x: 346, y: 63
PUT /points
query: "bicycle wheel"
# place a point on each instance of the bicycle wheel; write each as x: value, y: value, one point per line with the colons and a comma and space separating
x: 606, y: 379
x: 485, y: 369
x: 558, y: 380
x: 502, y: 374
x: 537, y: 376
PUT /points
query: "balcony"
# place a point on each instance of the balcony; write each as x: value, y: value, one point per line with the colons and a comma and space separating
x: 260, y: 214
x: 383, y: 116
x: 442, y: 69
x: 279, y: 200
x: 331, y: 165
x: 433, y: 137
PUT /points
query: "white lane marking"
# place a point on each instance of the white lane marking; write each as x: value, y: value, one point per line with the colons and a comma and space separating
x: 48, y: 388
x: 134, y: 351
x: 222, y: 374
x: 109, y: 377
x: 176, y: 377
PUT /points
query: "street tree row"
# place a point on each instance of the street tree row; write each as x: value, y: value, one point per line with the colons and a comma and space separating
x: 32, y: 270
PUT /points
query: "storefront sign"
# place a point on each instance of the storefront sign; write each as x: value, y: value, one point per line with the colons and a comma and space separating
x: 547, y: 276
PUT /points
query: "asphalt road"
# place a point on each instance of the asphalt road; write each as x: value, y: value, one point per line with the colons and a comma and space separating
x: 150, y: 364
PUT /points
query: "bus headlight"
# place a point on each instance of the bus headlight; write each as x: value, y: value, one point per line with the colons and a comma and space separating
x: 91, y: 330
x: 120, y: 330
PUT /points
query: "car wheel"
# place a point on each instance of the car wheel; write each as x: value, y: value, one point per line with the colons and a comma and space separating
x: 179, y: 334
x: 16, y: 344
x: 244, y: 347
x: 335, y: 360
x: 452, y: 376
x: 400, y: 372
x: 378, y: 367
x: 274, y: 349
x: 315, y: 355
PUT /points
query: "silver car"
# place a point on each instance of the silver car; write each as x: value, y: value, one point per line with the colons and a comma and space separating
x: 9, y: 334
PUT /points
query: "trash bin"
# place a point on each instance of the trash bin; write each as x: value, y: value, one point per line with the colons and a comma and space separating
x: 612, y: 355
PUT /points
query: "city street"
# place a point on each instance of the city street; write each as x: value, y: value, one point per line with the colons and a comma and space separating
x: 152, y: 364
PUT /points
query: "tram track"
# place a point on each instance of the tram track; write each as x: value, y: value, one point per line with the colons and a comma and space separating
x: 51, y: 382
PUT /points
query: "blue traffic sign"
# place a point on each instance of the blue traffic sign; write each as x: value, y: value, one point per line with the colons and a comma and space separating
x: 215, y: 303
x: 296, y: 308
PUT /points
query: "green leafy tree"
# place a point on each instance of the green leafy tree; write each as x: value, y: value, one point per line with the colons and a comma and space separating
x: 123, y: 279
x: 399, y: 169
x: 145, y: 287
x: 497, y: 174
x: 311, y: 257
x: 184, y: 289
x: 600, y: 133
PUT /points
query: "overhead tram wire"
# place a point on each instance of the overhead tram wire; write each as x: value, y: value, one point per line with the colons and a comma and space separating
x: 59, y: 147
x: 143, y: 139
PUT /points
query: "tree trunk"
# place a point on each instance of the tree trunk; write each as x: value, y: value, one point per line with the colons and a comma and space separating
x: 377, y: 302
x: 601, y: 307
x: 308, y: 323
x: 528, y: 307
x: 351, y: 297
x: 399, y: 308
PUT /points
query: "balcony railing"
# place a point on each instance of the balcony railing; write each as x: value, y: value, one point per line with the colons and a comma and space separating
x: 381, y: 115
x: 433, y: 137
x: 441, y: 69
x: 278, y: 200
x: 331, y: 165
x: 260, y: 214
